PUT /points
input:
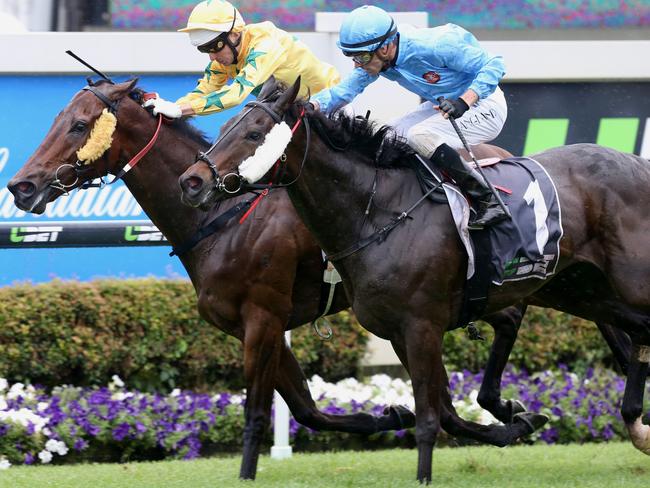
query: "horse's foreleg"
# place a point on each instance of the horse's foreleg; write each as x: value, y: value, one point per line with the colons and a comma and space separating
x: 506, y: 324
x: 262, y: 345
x: 292, y: 385
x: 424, y: 356
x: 632, y: 408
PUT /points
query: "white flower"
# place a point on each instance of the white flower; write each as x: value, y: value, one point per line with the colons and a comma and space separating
x: 23, y: 417
x: 42, y: 406
x: 4, y: 463
x: 117, y: 381
x: 58, y: 447
x: 3, y: 384
x: 120, y: 395
x: 3, y: 403
x: 16, y: 390
x: 175, y: 392
x: 45, y: 456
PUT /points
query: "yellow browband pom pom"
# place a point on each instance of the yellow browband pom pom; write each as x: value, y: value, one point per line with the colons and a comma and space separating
x: 101, y: 138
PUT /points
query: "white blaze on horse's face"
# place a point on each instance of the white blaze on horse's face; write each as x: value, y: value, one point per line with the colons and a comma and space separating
x: 275, y: 142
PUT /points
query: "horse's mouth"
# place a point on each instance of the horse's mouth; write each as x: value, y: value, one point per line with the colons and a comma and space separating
x: 203, y: 200
x: 29, y: 198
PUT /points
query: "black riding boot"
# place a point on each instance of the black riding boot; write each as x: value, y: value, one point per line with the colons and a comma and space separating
x: 470, y: 182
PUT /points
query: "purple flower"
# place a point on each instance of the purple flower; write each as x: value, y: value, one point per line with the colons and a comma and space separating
x: 140, y: 428
x: 29, y: 458
x: 550, y: 435
x: 80, y: 444
x: 121, y: 431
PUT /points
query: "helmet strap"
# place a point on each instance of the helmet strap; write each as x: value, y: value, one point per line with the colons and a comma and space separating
x: 233, y: 47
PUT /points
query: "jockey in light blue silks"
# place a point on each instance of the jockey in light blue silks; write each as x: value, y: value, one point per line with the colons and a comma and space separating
x: 445, y: 61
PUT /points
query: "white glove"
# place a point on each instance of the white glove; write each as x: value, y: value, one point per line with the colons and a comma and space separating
x: 165, y: 107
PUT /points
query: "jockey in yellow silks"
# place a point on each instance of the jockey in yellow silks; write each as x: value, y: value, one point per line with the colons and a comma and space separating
x: 246, y: 54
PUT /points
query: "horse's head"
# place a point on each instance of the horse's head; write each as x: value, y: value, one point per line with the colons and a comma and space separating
x: 248, y: 146
x: 75, y: 150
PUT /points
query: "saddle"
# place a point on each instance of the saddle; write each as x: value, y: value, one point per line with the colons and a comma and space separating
x: 513, y: 250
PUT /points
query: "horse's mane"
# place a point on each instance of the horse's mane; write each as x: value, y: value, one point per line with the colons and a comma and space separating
x: 379, y: 145
x: 182, y: 125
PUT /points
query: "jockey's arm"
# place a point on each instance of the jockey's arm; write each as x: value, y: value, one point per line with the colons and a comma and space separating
x: 467, y: 57
x: 333, y: 98
x: 213, y: 95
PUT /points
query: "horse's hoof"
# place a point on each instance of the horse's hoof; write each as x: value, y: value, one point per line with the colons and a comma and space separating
x: 401, y: 416
x: 640, y: 435
x: 515, y: 407
x: 533, y: 421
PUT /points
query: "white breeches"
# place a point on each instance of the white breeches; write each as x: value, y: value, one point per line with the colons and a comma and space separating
x: 425, y: 128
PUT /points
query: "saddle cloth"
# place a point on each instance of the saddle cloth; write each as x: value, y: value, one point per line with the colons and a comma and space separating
x: 528, y: 246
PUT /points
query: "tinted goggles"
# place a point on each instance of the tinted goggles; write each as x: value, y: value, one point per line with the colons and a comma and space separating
x: 215, y: 45
x: 361, y: 58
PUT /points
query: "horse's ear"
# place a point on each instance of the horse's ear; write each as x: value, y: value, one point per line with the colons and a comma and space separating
x: 288, y: 97
x: 268, y: 88
x: 120, y: 90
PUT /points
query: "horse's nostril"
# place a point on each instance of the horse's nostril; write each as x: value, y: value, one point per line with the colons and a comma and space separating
x: 194, y: 182
x: 23, y: 188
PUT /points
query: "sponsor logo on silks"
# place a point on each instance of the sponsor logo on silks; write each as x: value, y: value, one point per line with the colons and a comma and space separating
x: 143, y: 233
x: 522, y: 266
x: 431, y: 77
x: 23, y: 235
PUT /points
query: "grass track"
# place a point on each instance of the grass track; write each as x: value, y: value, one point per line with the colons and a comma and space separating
x: 595, y: 465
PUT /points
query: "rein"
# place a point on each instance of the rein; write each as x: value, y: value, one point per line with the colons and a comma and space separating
x: 382, y: 233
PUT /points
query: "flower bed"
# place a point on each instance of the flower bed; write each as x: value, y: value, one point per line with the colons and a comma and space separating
x: 70, y: 424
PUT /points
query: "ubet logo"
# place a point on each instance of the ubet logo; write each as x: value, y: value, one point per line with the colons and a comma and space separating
x: 142, y: 233
x: 617, y: 133
x: 34, y: 234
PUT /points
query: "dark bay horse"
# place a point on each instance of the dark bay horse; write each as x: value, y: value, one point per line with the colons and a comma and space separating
x: 252, y: 281
x: 409, y: 288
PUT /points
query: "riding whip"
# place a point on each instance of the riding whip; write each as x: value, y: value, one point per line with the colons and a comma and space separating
x: 478, y: 166
x: 88, y: 66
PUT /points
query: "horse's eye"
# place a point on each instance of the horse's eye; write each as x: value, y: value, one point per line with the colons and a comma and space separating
x: 79, y: 126
x: 254, y: 136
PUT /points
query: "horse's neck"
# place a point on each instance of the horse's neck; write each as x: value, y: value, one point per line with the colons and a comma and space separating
x: 154, y: 184
x: 333, y: 192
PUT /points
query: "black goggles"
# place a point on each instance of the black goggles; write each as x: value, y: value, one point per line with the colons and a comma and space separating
x: 215, y: 45
x: 361, y: 58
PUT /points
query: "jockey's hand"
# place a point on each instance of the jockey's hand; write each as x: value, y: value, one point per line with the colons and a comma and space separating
x: 315, y: 106
x: 453, y: 108
x: 164, y: 107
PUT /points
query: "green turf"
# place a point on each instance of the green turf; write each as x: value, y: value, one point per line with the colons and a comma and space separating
x: 595, y: 465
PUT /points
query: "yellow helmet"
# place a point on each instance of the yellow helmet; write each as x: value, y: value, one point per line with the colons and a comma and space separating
x: 216, y: 16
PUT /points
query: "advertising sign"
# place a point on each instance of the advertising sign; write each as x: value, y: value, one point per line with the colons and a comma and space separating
x: 29, y: 105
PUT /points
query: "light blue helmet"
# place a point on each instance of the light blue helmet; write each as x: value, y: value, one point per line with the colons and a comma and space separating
x: 366, y: 28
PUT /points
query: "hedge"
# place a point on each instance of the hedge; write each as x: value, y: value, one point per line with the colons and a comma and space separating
x: 149, y: 333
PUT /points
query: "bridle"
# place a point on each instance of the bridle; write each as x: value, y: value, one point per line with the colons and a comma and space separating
x: 240, y: 184
x: 80, y: 169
